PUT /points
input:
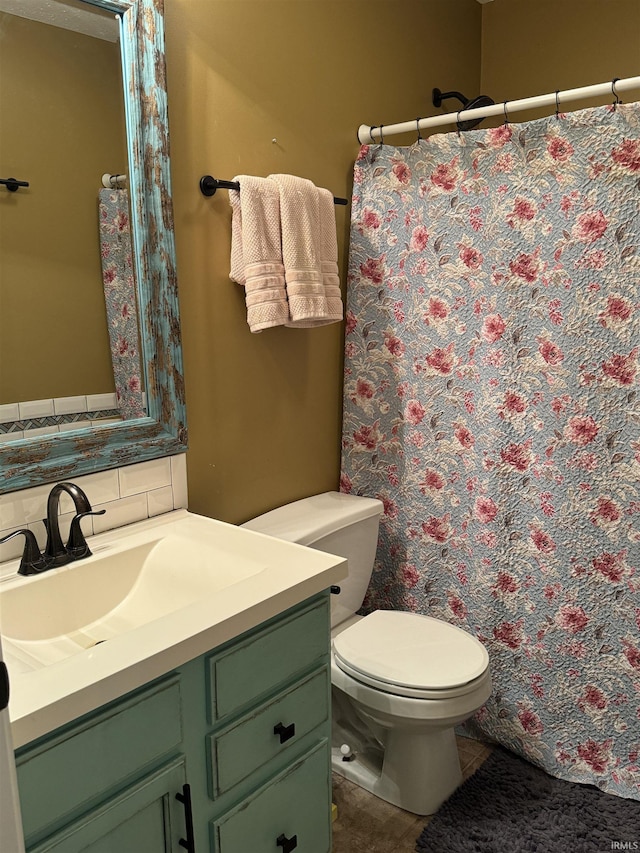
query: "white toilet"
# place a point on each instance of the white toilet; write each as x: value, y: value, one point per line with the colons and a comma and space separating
x: 400, y: 681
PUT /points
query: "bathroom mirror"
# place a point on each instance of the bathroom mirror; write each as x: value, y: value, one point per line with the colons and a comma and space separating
x: 60, y: 81
x: 162, y: 432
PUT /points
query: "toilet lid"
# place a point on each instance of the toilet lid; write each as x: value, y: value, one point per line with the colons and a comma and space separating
x: 411, y: 650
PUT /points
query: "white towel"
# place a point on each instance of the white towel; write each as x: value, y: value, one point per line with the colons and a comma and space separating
x: 256, y: 251
x: 329, y: 256
x: 309, y: 253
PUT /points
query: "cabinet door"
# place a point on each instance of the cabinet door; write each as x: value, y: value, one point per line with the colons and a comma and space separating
x: 74, y: 770
x: 145, y: 818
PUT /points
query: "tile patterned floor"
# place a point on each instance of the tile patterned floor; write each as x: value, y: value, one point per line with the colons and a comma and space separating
x: 366, y: 824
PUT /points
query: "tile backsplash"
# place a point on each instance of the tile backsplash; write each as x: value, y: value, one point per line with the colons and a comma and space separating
x: 42, y: 417
x: 128, y: 494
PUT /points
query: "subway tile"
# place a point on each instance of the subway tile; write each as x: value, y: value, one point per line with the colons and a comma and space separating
x: 16, y: 435
x: 69, y: 405
x: 129, y: 494
x: 145, y: 476
x: 9, y: 412
x: 98, y: 402
x: 121, y: 512
x: 23, y: 507
x: 36, y: 409
x: 179, y: 481
x: 99, y: 488
x: 160, y: 501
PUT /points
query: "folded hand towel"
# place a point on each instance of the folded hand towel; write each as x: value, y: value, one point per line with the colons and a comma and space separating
x: 256, y: 251
x: 312, y: 298
x: 329, y: 255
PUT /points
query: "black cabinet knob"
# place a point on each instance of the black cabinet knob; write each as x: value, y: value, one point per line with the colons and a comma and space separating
x: 287, y: 844
x: 285, y: 732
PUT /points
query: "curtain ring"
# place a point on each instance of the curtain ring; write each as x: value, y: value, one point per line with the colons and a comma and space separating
x: 371, y: 129
x: 418, y: 129
x: 506, y: 117
x: 614, y: 93
x: 458, y: 128
x: 113, y: 180
x: 381, y: 136
x: 557, y: 104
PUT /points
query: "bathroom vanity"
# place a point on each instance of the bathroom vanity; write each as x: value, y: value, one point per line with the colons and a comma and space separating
x: 178, y: 734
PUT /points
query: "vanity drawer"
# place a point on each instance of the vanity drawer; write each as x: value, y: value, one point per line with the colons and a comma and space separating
x: 297, y: 802
x: 265, y: 660
x: 235, y: 752
x: 117, y: 744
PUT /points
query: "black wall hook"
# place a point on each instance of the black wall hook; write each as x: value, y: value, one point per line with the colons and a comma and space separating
x: 12, y: 184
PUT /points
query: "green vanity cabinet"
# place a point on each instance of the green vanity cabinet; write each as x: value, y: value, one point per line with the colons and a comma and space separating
x: 246, y: 725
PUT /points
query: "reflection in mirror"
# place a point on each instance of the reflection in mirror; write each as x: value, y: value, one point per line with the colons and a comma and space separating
x: 63, y: 298
x: 60, y: 68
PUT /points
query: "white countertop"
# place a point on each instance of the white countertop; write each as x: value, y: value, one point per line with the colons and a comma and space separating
x: 48, y: 696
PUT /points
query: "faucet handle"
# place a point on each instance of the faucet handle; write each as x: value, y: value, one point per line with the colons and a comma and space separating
x: 77, y: 544
x: 32, y: 561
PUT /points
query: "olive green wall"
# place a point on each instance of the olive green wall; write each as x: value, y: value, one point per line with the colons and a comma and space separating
x: 533, y: 47
x: 62, y: 127
x: 264, y: 411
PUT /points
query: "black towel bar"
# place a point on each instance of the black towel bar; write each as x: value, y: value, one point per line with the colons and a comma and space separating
x: 209, y: 186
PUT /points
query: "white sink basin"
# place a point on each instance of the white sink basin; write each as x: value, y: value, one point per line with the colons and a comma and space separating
x: 121, y: 587
x: 151, y: 597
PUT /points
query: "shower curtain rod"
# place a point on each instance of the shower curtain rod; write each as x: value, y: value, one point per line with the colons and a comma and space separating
x: 367, y: 134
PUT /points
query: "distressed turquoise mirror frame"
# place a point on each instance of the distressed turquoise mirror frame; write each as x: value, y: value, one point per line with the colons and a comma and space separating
x: 163, y: 432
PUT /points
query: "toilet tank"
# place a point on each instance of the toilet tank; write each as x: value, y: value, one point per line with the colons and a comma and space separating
x: 344, y: 525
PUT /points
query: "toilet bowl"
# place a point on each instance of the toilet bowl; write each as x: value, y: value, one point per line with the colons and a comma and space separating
x: 400, y: 681
x: 411, y: 702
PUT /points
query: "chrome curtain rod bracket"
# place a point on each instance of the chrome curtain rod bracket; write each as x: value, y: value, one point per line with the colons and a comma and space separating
x: 210, y: 185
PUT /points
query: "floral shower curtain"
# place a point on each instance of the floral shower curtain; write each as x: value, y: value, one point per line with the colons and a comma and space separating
x: 493, y: 334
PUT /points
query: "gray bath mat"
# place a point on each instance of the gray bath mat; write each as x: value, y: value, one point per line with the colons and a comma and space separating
x: 510, y: 806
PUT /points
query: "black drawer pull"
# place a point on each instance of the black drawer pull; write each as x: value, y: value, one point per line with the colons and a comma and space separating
x: 287, y: 844
x: 185, y: 798
x: 285, y: 732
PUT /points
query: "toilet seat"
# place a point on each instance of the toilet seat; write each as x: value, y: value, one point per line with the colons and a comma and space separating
x: 411, y: 655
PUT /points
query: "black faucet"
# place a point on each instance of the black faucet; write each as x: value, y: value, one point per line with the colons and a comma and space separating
x: 55, y: 552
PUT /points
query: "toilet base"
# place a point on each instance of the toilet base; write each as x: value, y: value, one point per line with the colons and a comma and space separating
x: 416, y: 772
